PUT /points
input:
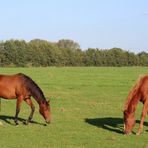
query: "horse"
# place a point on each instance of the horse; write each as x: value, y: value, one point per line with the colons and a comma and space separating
x: 21, y: 87
x: 138, y: 93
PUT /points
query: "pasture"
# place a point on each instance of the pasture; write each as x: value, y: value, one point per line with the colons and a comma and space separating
x: 86, y: 106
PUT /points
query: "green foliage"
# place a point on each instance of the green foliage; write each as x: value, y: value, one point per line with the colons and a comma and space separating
x: 143, y: 58
x: 38, y: 53
x: 68, y: 44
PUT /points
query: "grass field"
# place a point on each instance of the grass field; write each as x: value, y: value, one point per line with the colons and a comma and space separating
x: 86, y: 106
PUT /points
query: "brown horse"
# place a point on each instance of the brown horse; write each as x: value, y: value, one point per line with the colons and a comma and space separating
x: 22, y: 87
x: 138, y: 93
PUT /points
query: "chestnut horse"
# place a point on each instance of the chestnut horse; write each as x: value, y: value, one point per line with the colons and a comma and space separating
x: 138, y: 93
x: 22, y: 87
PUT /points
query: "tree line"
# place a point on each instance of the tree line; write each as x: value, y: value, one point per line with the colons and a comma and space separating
x: 20, y: 53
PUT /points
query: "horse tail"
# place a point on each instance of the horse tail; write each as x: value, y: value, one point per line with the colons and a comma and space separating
x: 133, y: 92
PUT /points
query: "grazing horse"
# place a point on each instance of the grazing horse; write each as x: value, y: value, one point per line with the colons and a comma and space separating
x: 138, y: 93
x: 22, y: 87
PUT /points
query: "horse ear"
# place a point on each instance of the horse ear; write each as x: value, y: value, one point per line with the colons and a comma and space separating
x: 48, y: 101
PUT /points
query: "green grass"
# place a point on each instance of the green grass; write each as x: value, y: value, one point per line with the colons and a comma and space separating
x: 86, y: 106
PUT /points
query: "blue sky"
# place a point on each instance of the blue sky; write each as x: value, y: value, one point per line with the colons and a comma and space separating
x: 92, y: 23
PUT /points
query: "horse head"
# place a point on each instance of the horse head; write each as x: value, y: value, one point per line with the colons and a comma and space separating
x: 129, y: 122
x: 45, y: 110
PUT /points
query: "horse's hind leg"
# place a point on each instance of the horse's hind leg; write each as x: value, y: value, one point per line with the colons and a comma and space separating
x: 144, y: 113
x: 18, y: 105
x: 29, y: 102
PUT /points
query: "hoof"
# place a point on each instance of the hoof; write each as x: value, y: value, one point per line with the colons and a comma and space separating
x: 127, y: 134
x: 45, y: 124
x: 30, y: 121
x: 16, y: 124
x: 138, y: 133
x: 26, y: 122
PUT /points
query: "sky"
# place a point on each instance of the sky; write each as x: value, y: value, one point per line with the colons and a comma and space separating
x: 102, y: 24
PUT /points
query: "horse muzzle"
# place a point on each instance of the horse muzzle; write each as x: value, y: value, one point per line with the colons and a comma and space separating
x: 127, y: 133
x: 48, y: 121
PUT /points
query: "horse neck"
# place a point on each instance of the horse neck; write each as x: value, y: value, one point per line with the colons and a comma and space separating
x: 39, y: 100
x: 38, y: 95
x: 132, y: 105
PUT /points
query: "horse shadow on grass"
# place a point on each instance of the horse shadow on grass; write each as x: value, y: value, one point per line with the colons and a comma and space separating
x: 112, y: 124
x: 10, y: 120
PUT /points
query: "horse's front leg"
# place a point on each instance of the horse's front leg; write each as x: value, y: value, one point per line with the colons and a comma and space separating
x: 18, y: 105
x: 144, y: 113
x: 29, y: 102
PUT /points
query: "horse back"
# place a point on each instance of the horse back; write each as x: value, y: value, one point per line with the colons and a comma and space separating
x: 11, y: 86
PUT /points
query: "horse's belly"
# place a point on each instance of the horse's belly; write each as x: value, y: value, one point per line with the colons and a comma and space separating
x: 7, y: 93
x: 8, y: 97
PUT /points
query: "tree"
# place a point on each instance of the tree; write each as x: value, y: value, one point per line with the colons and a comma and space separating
x: 44, y: 53
x: 64, y: 53
x: 143, y: 58
x: 68, y: 49
x: 3, y: 59
x: 117, y: 57
x: 132, y: 59
x: 68, y: 44
x: 90, y: 57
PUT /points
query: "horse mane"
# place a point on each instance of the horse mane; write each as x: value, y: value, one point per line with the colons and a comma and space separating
x: 33, y: 88
x: 133, y: 92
